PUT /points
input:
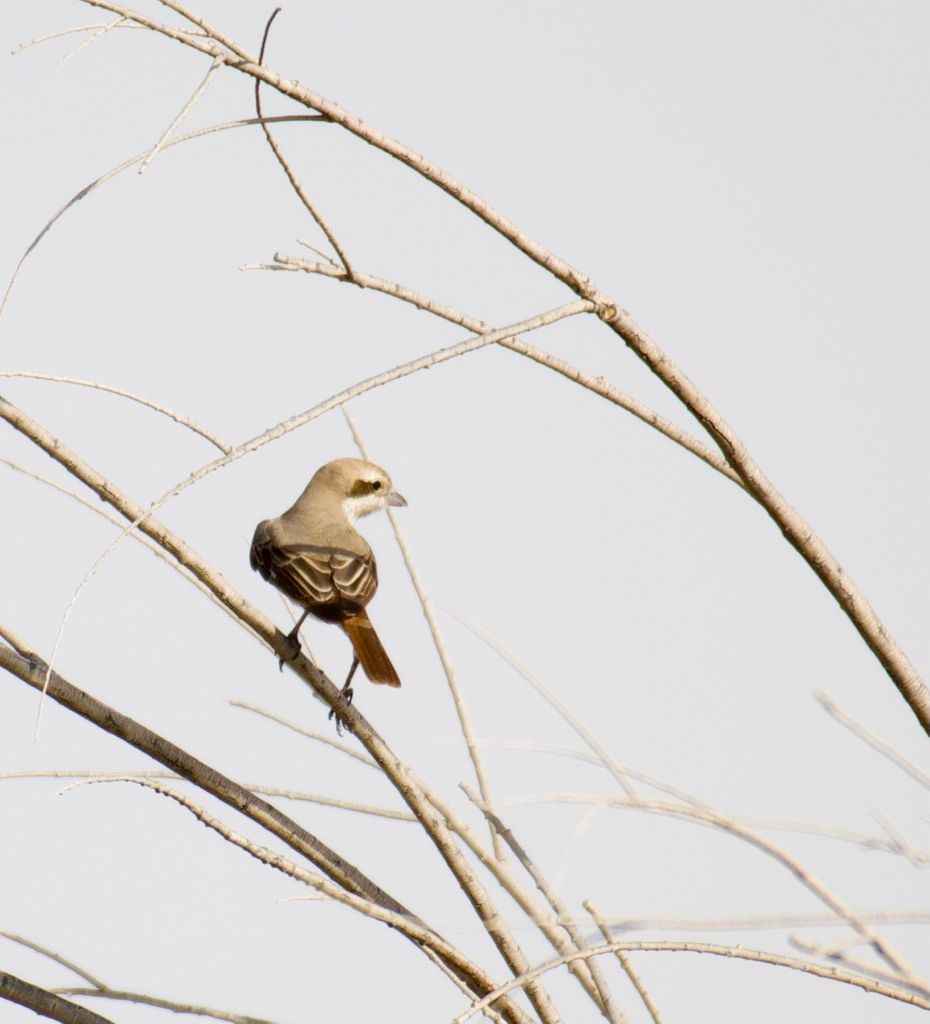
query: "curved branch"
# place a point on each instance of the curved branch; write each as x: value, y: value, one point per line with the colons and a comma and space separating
x: 125, y: 165
x: 142, y: 999
x: 735, y: 953
x: 286, y: 167
x: 184, y: 421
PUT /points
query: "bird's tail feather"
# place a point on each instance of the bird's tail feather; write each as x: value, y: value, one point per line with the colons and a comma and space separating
x: 369, y: 651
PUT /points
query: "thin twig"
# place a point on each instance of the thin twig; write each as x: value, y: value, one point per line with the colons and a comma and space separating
x: 875, y: 742
x: 864, y: 839
x: 554, y: 701
x: 182, y: 113
x: 253, y: 787
x: 285, y: 165
x: 763, y: 922
x: 142, y: 999
x: 57, y: 957
x: 119, y: 23
x: 730, y: 952
x: 625, y: 963
x: 439, y: 642
x: 104, y: 29
x: 103, y: 990
x: 343, y: 748
x: 184, y: 421
x: 838, y: 952
x: 598, y: 761
x: 125, y: 165
x: 575, y: 840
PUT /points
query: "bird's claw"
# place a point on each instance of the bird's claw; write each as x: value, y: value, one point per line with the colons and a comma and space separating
x: 294, y: 645
x: 346, y: 694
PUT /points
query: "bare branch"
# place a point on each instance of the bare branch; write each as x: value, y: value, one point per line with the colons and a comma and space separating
x: 627, y: 966
x: 56, y: 957
x: 98, y: 775
x: 876, y: 743
x: 762, y: 921
x: 100, y: 989
x: 118, y: 23
x: 600, y: 751
x: 184, y: 421
x: 575, y: 840
x: 15, y: 990
x: 182, y: 113
x: 838, y: 952
x: 845, y: 835
x: 104, y: 29
x: 97, y: 182
x: 165, y: 1004
x: 736, y: 953
x: 343, y: 748
x: 286, y: 167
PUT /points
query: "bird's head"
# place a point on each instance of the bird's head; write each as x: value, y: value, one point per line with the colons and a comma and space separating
x: 362, y: 486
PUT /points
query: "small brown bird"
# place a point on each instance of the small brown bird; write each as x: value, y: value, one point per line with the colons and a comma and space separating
x: 314, y: 555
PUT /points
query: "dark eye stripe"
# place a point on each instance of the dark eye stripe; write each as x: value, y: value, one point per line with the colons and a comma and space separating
x: 362, y: 487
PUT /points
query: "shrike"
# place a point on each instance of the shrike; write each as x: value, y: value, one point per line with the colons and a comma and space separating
x: 314, y: 555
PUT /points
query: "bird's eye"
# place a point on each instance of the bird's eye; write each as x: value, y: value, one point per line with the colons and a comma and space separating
x: 376, y: 485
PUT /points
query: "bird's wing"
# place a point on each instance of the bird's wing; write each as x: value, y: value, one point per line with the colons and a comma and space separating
x: 317, y: 577
x: 355, y: 577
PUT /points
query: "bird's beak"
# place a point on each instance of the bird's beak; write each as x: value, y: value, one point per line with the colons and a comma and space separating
x: 397, y: 500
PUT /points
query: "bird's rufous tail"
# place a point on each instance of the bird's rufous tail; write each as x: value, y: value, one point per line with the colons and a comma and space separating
x: 368, y: 649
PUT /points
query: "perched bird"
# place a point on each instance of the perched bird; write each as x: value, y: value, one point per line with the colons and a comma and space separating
x: 314, y: 555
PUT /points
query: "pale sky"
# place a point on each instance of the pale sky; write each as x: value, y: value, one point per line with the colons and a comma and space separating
x: 750, y: 182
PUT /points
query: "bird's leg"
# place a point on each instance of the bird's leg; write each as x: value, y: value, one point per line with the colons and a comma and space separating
x: 293, y: 641
x: 347, y: 693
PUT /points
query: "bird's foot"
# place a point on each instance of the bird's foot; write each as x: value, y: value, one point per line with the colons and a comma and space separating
x: 294, y: 644
x: 345, y: 695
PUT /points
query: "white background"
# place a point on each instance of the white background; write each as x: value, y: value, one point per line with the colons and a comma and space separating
x: 750, y: 182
